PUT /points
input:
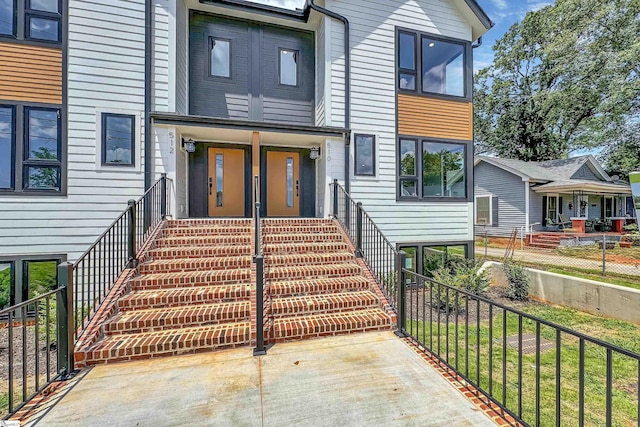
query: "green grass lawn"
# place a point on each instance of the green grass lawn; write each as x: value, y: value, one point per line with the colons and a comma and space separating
x: 4, y: 404
x: 625, y: 369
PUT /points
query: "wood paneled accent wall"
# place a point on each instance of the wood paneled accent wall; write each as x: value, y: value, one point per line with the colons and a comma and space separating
x: 30, y: 73
x: 436, y: 118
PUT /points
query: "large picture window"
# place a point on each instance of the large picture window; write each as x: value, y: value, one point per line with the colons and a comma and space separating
x: 440, y: 172
x: 432, y: 65
x: 24, y: 278
x: 365, y: 151
x: 424, y: 258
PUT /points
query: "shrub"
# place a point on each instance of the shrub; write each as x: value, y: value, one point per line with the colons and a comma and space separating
x: 463, y: 274
x: 517, y: 280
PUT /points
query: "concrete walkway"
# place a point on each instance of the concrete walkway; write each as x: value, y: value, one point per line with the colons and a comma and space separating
x: 542, y: 257
x: 371, y: 379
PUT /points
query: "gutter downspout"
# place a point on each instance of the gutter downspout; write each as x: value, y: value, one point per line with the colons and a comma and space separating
x: 347, y: 86
x: 527, y: 206
x: 478, y: 44
x: 148, y: 17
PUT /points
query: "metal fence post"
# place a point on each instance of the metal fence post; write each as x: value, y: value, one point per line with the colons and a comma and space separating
x: 359, y: 252
x: 402, y: 312
x: 163, y: 196
x: 65, y: 315
x: 335, y: 198
x: 131, y: 234
x: 604, y: 254
x: 260, y: 350
x: 486, y: 243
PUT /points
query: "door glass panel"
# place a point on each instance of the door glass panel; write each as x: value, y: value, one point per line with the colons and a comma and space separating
x: 289, y: 182
x: 552, y: 208
x: 219, y: 179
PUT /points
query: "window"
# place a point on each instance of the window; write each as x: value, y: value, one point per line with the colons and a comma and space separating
x: 118, y: 139
x: 365, y: 150
x: 7, y: 17
x: 483, y: 210
x: 24, y: 278
x: 408, y: 171
x: 42, y: 149
x: 289, y: 67
x: 442, y: 67
x: 7, y: 297
x: 7, y: 147
x: 424, y: 258
x: 443, y: 170
x: 432, y: 65
x: 407, y: 61
x: 220, y: 57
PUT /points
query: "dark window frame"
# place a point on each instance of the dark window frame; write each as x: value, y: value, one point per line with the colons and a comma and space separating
x: 413, y: 178
x: 468, y: 250
x: 103, y: 140
x: 298, y: 74
x: 414, y: 71
x: 424, y: 36
x: 28, y: 162
x: 355, y: 155
x: 210, y: 41
x: 467, y: 67
x: 14, y: 32
x: 420, y: 198
x: 13, y: 147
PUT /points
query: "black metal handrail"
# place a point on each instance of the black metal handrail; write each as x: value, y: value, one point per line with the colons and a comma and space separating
x: 36, y: 321
x: 260, y: 349
x: 539, y: 372
x: 371, y: 245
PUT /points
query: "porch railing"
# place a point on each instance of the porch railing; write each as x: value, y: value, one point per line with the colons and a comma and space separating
x: 539, y: 372
x: 259, y: 350
x: 371, y: 245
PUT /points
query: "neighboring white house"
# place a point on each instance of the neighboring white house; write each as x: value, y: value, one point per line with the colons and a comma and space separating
x: 258, y: 89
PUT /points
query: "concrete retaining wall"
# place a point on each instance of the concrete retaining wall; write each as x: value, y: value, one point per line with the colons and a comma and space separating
x: 586, y: 295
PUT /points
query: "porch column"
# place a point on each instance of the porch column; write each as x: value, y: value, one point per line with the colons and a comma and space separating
x: 255, y: 165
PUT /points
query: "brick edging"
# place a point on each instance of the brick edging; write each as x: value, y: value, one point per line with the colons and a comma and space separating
x: 475, y: 396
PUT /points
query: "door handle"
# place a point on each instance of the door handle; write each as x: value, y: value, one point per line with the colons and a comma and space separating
x: 297, y: 188
x: 210, y: 185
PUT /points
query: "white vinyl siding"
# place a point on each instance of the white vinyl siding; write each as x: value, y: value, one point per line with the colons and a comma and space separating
x: 105, y: 73
x: 373, y: 58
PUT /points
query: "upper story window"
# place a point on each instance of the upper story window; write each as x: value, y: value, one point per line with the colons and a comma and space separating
x: 365, y: 151
x: 289, y: 67
x: 220, y: 57
x: 432, y: 65
x: 118, y: 139
x: 440, y: 173
x: 7, y: 146
x: 38, y: 20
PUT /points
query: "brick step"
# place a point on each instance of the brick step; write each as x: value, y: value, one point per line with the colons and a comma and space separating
x: 301, y: 238
x: 121, y: 348
x: 301, y: 327
x: 226, y: 240
x: 295, y: 221
x: 326, y: 303
x: 139, y: 321
x: 205, y: 222
x: 300, y: 229
x: 190, y: 279
x: 291, y: 288
x: 549, y: 236
x: 205, y: 231
x: 309, y: 259
x: 200, y: 251
x: 195, y: 264
x: 180, y: 297
x: 313, y: 271
x: 301, y: 248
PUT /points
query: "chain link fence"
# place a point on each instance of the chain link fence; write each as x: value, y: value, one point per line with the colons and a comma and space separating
x: 611, y: 258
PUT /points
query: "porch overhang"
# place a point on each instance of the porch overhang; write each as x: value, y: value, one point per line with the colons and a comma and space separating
x: 584, y: 186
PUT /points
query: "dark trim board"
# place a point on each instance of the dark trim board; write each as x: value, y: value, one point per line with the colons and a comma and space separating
x: 199, y: 172
x: 307, y: 181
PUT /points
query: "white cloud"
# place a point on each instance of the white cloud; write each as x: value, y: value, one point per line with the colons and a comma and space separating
x: 500, y: 4
x: 533, y: 6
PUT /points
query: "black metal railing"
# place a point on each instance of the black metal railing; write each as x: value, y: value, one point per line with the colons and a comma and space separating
x: 539, y: 372
x: 260, y: 349
x: 371, y: 245
x: 97, y: 270
x: 32, y: 348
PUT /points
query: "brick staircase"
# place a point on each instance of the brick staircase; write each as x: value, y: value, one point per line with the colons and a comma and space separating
x: 193, y: 290
x: 315, y: 284
x: 547, y: 240
x: 193, y: 293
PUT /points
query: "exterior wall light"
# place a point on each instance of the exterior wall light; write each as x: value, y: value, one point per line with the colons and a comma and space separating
x: 314, y: 153
x: 189, y: 145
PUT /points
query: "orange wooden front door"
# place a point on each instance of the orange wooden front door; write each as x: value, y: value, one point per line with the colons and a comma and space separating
x: 226, y: 182
x: 283, y: 184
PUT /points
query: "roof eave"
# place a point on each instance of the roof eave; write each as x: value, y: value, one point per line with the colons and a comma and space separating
x: 480, y: 14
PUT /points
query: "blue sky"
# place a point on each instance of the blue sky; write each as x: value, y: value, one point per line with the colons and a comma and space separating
x: 503, y: 12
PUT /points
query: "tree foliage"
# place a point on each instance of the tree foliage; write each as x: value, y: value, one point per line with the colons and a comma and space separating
x: 565, y: 78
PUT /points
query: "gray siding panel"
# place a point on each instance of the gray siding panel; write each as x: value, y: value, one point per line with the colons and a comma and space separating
x: 585, y: 172
x: 509, y: 191
x: 535, y: 210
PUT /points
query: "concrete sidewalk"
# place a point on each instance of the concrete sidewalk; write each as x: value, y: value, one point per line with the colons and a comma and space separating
x: 371, y: 379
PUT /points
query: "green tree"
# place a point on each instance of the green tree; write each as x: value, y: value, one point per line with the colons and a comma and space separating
x: 565, y: 78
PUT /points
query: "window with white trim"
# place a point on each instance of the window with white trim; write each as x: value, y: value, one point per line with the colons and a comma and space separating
x: 483, y: 210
